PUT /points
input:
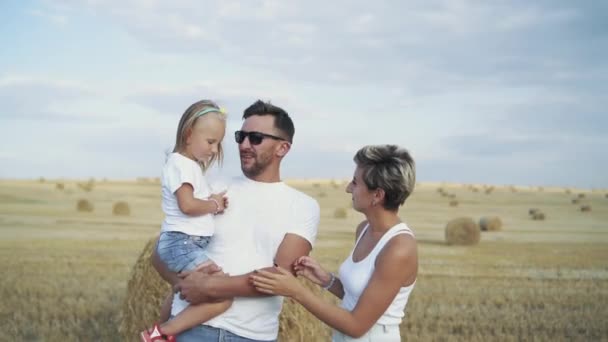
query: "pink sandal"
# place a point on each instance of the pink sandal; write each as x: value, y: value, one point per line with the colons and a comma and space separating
x: 155, y: 335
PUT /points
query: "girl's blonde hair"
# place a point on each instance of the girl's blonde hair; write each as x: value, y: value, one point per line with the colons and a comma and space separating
x: 187, y: 122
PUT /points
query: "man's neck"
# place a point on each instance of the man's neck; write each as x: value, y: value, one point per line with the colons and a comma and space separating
x: 266, y: 177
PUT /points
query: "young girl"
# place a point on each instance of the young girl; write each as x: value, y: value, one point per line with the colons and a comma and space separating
x: 189, y: 207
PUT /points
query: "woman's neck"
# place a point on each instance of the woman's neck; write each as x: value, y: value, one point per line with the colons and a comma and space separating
x: 381, y: 220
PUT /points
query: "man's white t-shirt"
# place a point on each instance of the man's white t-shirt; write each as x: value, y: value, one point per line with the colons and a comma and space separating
x: 177, y: 171
x: 247, y: 237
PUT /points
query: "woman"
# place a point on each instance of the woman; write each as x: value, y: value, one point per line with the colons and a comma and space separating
x: 376, y: 279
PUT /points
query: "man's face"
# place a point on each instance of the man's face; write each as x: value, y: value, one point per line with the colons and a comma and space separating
x: 255, y: 159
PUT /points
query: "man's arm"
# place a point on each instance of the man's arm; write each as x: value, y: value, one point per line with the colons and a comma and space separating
x: 171, y: 277
x: 198, y: 287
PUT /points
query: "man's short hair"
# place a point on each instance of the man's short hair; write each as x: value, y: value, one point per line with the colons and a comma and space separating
x: 282, y: 121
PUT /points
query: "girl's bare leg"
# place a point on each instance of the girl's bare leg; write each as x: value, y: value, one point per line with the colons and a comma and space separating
x: 165, y: 309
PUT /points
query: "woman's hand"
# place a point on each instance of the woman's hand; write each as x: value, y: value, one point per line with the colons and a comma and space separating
x: 310, y: 269
x: 282, y: 283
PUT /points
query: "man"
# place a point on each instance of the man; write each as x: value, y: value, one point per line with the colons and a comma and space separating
x: 266, y: 223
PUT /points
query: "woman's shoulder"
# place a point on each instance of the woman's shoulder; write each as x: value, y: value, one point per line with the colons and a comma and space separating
x: 360, y: 227
x: 401, y: 246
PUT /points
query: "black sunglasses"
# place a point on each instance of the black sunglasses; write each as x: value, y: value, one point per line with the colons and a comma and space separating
x: 255, y: 138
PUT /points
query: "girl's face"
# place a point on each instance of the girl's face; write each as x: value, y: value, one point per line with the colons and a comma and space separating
x: 206, y: 135
x: 361, y: 195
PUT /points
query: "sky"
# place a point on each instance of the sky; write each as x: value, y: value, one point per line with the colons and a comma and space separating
x: 494, y: 92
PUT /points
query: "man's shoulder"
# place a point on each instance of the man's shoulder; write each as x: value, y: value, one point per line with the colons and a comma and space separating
x: 301, y: 199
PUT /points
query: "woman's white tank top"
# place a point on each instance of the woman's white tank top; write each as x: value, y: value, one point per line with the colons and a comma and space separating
x: 355, y: 276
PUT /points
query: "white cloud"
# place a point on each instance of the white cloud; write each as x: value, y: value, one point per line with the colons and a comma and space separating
x: 428, y: 75
x: 34, y: 97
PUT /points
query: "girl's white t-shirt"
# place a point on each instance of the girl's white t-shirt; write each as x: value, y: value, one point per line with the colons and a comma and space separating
x: 177, y: 171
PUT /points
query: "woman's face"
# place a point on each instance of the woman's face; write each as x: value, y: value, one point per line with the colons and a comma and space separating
x: 361, y: 195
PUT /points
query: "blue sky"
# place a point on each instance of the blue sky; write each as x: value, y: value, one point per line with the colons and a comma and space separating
x: 500, y: 92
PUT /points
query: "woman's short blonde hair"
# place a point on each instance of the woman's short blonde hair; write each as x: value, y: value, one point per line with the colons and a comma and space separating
x: 390, y: 168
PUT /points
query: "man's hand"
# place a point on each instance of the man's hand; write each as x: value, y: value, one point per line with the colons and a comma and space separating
x: 193, y: 285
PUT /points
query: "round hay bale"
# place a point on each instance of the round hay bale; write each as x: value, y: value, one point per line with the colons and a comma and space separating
x: 84, y: 205
x: 581, y: 195
x: 575, y: 201
x: 297, y: 324
x: 146, y: 291
x: 490, y: 224
x: 121, y: 208
x: 41, y: 180
x: 606, y: 195
x: 533, y: 211
x: 585, y: 208
x: 59, y: 186
x: 340, y: 213
x: 440, y: 190
x: 474, y: 189
x: 453, y: 203
x: 538, y: 216
x: 322, y: 194
x: 568, y: 191
x: 462, y: 231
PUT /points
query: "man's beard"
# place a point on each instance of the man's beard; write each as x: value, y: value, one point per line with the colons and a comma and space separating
x: 259, y: 165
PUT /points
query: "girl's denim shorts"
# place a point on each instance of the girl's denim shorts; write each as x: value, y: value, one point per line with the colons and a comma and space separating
x: 182, y: 252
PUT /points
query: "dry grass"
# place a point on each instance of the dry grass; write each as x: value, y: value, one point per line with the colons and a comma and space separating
x: 65, y: 274
x: 88, y: 187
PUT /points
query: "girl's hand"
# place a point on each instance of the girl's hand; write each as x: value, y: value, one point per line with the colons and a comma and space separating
x: 310, y: 269
x: 282, y: 283
x: 221, y: 200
